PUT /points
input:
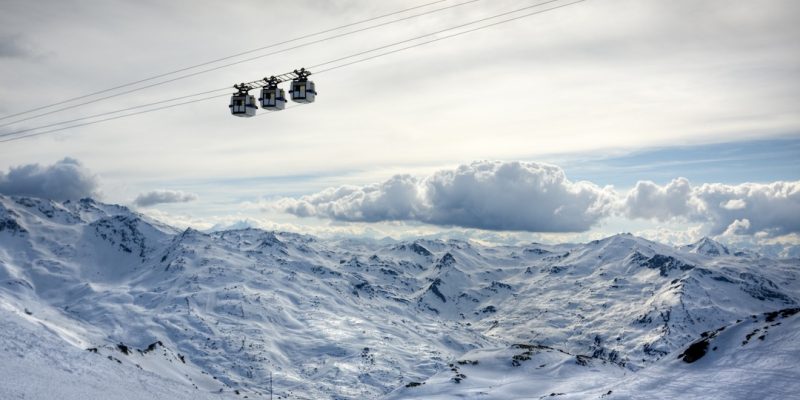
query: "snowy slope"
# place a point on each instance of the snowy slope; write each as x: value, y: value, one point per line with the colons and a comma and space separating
x: 352, y: 319
x: 38, y: 363
x: 516, y: 372
x: 753, y: 358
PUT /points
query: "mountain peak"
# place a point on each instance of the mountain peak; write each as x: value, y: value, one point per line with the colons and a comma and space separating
x: 707, y: 246
x: 446, y: 261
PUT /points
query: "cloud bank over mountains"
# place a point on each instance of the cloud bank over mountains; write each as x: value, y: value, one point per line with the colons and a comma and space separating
x: 488, y: 195
x: 66, y: 179
x: 769, y: 210
x: 527, y: 196
x: 163, y: 196
x: 520, y: 196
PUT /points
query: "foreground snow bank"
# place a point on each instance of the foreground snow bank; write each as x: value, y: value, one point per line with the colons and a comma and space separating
x: 39, y: 364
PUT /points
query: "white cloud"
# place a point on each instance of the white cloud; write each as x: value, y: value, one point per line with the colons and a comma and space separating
x: 533, y: 197
x: 648, y: 200
x: 734, y: 204
x: 520, y: 196
x: 765, y: 210
x: 773, y: 208
x: 64, y: 180
x: 163, y: 196
x: 737, y: 227
x: 673, y: 235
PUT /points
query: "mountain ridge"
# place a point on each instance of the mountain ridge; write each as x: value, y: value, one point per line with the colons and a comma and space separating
x: 238, y: 304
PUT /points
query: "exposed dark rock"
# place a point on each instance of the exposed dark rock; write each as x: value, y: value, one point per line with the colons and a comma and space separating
x: 787, y: 312
x: 582, y: 360
x: 434, y: 287
x: 536, y: 251
x: 722, y: 278
x: 417, y: 248
x: 8, y: 223
x: 695, y: 351
x: 530, y: 349
x: 517, y: 359
x: 446, y: 261
x: 122, y: 231
x: 664, y: 264
x: 320, y: 270
x: 698, y: 349
x: 763, y: 289
x: 652, y: 351
x: 499, y: 285
x: 152, y: 347
x: 488, y: 309
x: 555, y: 269
x: 270, y: 240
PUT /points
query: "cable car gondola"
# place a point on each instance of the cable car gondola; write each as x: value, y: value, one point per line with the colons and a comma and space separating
x: 303, y: 89
x: 243, y: 104
x: 272, y: 97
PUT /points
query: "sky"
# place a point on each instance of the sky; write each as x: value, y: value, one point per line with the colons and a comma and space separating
x: 672, y: 120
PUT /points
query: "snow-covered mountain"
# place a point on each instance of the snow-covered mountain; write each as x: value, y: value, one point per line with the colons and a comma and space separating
x: 213, y: 314
x: 707, y: 246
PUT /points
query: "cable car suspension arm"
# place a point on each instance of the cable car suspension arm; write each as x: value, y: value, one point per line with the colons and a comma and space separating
x: 273, y: 81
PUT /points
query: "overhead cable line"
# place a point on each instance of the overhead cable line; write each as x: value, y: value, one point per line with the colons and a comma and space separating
x: 130, y: 115
x: 234, y: 56
x: 260, y: 82
x: 438, y: 39
x: 314, y: 66
x: 112, y: 112
x: 180, y: 77
x: 119, y: 111
x: 112, y: 118
x: 331, y: 68
x: 450, y: 29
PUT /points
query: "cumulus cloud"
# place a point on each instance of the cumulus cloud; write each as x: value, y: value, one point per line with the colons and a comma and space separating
x: 662, y: 234
x: 649, y: 200
x: 767, y: 210
x: 735, y: 204
x: 533, y: 197
x: 737, y: 227
x: 772, y: 208
x: 66, y: 179
x: 521, y: 196
x: 163, y: 196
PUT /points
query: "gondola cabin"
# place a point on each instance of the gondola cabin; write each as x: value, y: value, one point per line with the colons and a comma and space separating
x: 303, y: 91
x: 243, y: 105
x: 272, y: 98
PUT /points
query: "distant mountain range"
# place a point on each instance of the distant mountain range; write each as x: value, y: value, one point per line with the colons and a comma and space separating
x: 102, y: 302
